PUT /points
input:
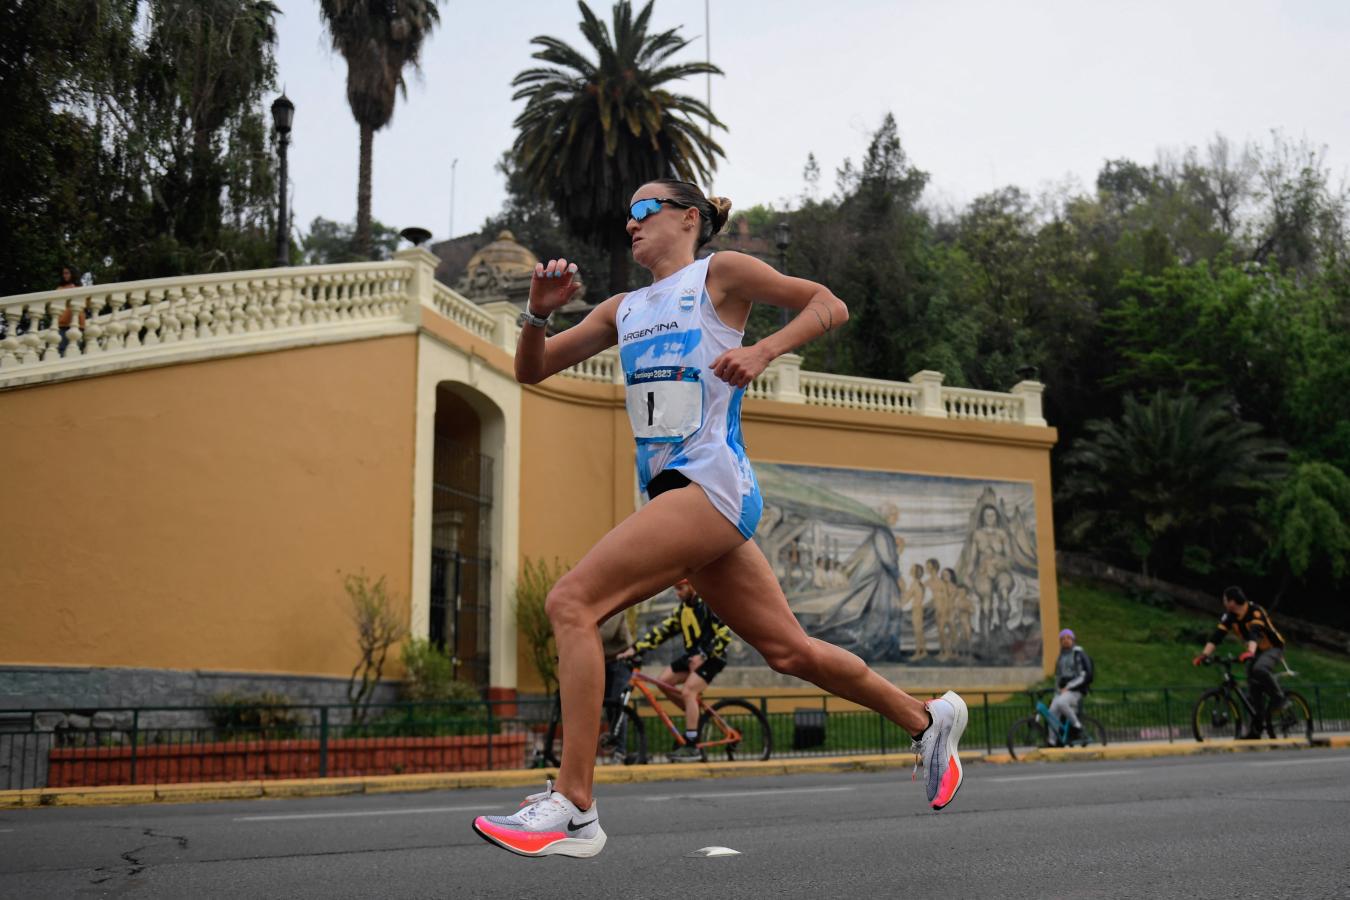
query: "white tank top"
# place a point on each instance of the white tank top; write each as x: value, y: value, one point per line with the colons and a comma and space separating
x: 683, y: 416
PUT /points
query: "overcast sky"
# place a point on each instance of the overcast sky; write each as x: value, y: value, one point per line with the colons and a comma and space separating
x: 985, y: 93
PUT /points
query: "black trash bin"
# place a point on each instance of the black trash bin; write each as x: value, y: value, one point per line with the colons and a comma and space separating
x: 808, y: 728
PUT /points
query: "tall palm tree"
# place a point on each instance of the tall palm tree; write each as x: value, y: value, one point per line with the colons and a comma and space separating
x: 1174, y: 477
x: 378, y: 38
x: 592, y: 131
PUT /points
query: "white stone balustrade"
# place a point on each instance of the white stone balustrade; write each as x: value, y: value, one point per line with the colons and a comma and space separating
x: 115, y: 327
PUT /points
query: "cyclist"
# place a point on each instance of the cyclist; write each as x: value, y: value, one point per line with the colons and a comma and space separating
x: 1073, y: 676
x: 686, y: 369
x: 705, y: 648
x: 1250, y: 622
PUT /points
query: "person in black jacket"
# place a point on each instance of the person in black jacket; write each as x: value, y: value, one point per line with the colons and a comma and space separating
x: 1073, y: 676
x: 705, y: 648
x: 1251, y: 624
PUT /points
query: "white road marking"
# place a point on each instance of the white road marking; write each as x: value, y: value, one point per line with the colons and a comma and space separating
x: 1059, y: 775
x: 767, y: 792
x: 5, y: 830
x: 1302, y: 762
x: 421, y: 810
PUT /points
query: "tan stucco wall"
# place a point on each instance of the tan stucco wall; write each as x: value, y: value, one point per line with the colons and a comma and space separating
x: 196, y: 516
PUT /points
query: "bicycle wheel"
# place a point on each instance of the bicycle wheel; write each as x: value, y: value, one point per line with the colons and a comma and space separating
x: 1293, y: 718
x: 1027, y: 735
x: 634, y: 737
x: 1215, y: 715
x: 1093, y: 732
x: 756, y: 737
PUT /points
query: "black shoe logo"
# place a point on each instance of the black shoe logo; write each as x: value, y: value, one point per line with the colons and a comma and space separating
x: 573, y: 825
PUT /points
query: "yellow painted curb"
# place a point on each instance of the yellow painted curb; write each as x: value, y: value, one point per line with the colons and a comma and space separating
x: 312, y: 787
x: 97, y: 796
x: 198, y: 793
x: 1158, y: 750
x: 1333, y: 740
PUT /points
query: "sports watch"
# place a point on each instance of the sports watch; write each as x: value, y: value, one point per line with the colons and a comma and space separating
x: 529, y: 318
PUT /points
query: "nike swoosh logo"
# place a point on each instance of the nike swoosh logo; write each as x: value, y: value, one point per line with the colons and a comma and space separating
x: 577, y: 826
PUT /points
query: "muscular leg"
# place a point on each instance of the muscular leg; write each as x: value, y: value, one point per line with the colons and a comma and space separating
x: 677, y: 533
x: 741, y: 589
x: 693, y: 690
x: 670, y: 676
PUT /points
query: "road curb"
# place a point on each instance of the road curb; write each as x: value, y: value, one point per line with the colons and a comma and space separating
x: 389, y: 784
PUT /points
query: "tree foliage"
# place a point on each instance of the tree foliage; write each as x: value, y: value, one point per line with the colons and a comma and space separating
x: 595, y: 128
x: 135, y: 138
x: 1174, y: 477
x: 378, y: 40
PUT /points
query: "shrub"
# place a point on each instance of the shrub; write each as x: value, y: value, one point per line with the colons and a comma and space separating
x: 536, y: 580
x: 261, y: 716
x: 430, y: 674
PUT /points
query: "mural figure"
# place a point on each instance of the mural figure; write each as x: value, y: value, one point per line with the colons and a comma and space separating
x: 912, y: 596
x: 962, y: 611
x: 899, y: 568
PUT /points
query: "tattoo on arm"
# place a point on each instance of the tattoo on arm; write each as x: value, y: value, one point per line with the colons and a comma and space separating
x: 824, y: 325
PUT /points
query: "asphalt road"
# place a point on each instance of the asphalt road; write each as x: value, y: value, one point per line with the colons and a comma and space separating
x: 1259, y: 825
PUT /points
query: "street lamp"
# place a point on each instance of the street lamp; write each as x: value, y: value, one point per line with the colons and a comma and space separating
x: 783, y: 235
x: 283, y: 111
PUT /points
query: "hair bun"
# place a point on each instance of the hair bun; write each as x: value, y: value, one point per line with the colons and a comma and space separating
x: 721, y: 209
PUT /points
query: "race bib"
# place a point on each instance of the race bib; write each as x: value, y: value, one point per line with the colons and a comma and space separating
x: 665, y: 403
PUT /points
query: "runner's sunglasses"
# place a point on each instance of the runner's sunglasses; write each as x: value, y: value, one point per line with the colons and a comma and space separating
x: 644, y: 208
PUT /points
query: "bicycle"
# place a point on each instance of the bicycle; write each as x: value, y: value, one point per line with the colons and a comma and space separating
x: 1226, y: 710
x: 731, y: 728
x: 1033, y: 732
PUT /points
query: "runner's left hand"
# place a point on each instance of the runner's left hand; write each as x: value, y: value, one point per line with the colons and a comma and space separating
x: 741, y: 365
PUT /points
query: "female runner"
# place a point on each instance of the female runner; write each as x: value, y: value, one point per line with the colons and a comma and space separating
x: 685, y: 373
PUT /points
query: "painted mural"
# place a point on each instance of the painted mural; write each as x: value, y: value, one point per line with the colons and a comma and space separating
x: 899, y: 568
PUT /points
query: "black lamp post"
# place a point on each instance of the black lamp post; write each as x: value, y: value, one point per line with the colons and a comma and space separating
x: 283, y: 111
x: 783, y: 235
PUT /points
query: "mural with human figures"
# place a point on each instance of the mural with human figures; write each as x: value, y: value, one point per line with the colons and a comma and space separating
x: 917, y: 570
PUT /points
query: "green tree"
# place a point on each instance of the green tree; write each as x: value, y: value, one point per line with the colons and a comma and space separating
x: 135, y: 143
x: 1312, y: 520
x: 1175, y: 483
x: 593, y: 130
x: 335, y: 242
x: 378, y: 41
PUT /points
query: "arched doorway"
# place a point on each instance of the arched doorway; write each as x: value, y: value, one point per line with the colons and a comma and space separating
x: 461, y: 539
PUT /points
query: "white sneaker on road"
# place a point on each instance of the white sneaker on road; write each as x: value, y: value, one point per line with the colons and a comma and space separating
x: 547, y: 824
x: 936, y: 748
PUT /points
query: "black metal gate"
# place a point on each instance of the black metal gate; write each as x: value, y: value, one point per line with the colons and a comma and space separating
x: 461, y: 558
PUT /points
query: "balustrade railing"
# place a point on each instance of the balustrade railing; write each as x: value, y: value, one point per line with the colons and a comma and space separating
x: 82, y: 331
x: 849, y: 392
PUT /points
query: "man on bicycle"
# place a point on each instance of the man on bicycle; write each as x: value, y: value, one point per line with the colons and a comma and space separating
x: 1073, y: 676
x: 1265, y: 650
x: 705, y: 645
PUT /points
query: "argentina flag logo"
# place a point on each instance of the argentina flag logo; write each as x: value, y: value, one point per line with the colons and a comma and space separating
x: 687, y: 300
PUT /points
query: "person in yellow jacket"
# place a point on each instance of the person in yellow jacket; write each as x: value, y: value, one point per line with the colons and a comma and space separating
x: 705, y: 647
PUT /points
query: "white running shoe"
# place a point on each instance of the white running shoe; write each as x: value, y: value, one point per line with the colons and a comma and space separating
x: 936, y: 748
x: 547, y: 824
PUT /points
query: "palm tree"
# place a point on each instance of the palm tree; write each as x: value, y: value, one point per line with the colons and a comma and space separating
x: 1174, y: 476
x: 593, y: 131
x: 378, y: 38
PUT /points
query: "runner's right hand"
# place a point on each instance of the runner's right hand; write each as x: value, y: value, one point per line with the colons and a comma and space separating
x: 552, y: 286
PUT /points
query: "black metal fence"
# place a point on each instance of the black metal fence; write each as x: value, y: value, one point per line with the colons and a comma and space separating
x: 163, y: 745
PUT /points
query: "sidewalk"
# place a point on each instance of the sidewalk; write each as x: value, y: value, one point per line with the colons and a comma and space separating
x: 386, y: 784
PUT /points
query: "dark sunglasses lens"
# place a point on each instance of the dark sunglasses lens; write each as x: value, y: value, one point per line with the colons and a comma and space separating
x: 643, y: 208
